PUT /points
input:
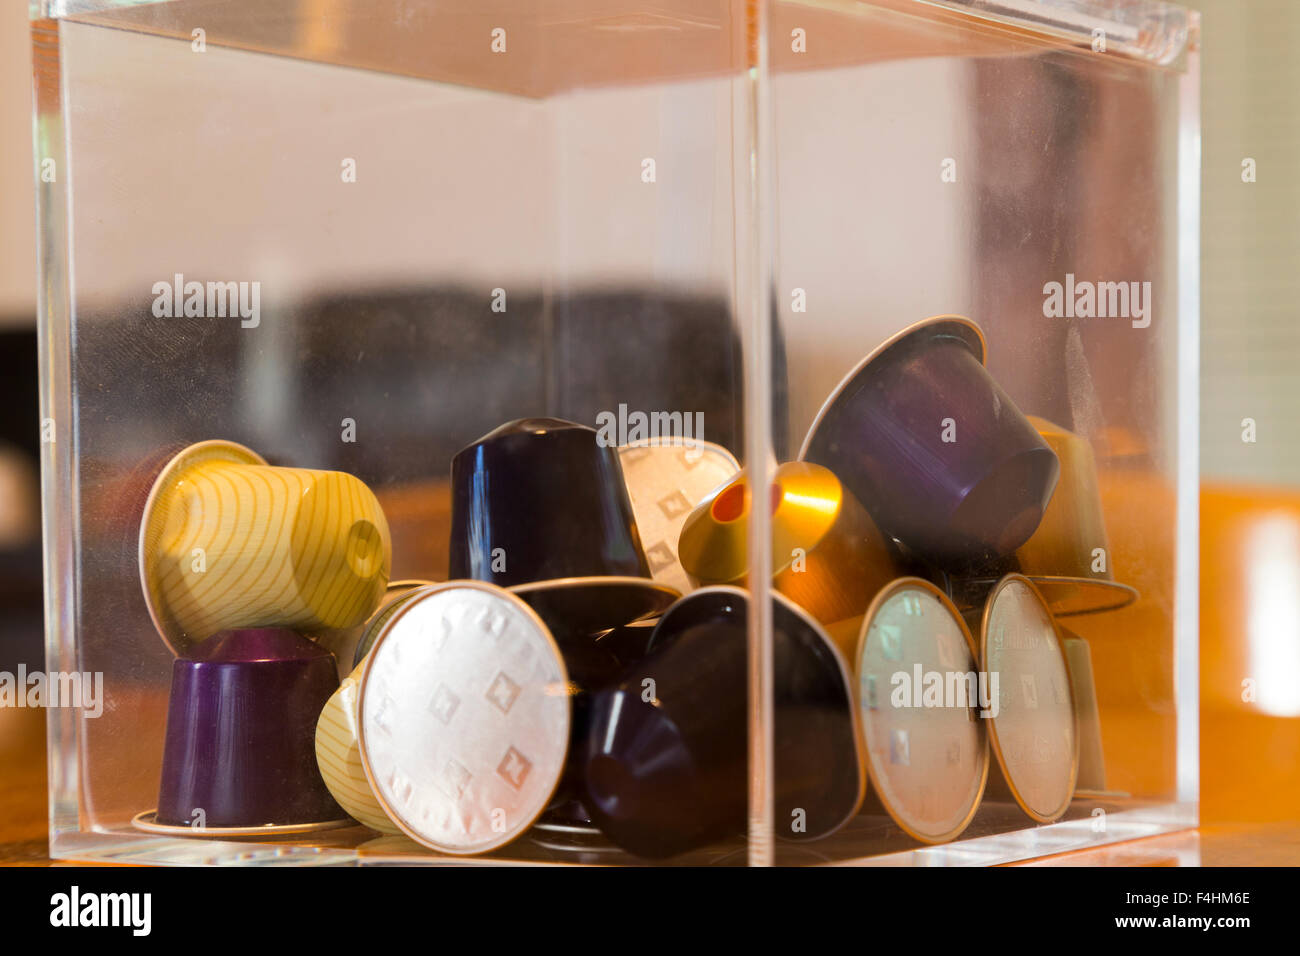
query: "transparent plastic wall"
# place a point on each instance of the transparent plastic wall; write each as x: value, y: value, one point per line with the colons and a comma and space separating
x: 537, y: 221
x: 1024, y: 168
x: 454, y: 218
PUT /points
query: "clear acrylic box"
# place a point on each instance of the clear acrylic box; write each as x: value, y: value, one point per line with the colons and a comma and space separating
x: 462, y: 214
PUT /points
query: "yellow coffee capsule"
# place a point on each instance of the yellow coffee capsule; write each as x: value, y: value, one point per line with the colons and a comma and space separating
x: 227, y: 541
x: 827, y: 555
x: 339, y: 758
x: 1068, y: 558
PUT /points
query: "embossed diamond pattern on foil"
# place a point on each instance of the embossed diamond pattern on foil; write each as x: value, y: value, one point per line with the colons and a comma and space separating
x: 1029, y: 689
x: 401, y: 788
x: 949, y: 659
x: 384, y: 715
x: 493, y: 624
x: 514, y: 768
x: 674, y: 504
x: 1058, y: 693
x: 440, y: 633
x: 899, y: 748
x: 503, y: 692
x: 444, y: 704
x: 660, y: 556
x: 891, y: 642
x: 455, y: 778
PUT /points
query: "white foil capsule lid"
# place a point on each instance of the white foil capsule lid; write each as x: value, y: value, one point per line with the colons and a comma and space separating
x: 464, y: 717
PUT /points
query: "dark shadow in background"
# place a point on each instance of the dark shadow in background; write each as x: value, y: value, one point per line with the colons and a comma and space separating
x: 21, y: 627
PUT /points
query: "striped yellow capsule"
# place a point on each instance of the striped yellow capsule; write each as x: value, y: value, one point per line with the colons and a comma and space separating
x: 339, y: 758
x: 227, y: 541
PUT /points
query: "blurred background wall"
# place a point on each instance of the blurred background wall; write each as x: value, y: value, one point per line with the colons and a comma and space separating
x: 20, y: 620
x: 1250, y: 235
x: 17, y: 207
x: 1250, y: 344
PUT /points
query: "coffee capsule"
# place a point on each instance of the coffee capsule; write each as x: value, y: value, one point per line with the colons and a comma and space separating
x: 591, y: 666
x: 1068, y: 557
x: 398, y: 594
x: 934, y: 449
x: 463, y: 717
x: 919, y: 696
x: 586, y: 606
x: 240, y: 728
x: 227, y: 541
x: 346, y: 643
x: 664, y: 482
x: 628, y: 643
x: 827, y: 555
x: 1092, y: 760
x: 1034, y: 733
x: 665, y: 763
x: 338, y: 755
x: 1066, y: 597
x: 539, y: 505
x: 338, y: 752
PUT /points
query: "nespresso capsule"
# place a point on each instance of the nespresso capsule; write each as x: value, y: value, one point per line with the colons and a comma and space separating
x: 240, y: 730
x: 920, y: 695
x: 540, y: 506
x: 628, y: 643
x: 664, y: 482
x: 464, y: 717
x: 934, y: 449
x: 1092, y: 759
x: 398, y: 594
x: 589, y: 665
x: 1068, y: 558
x: 349, y: 644
x: 1034, y: 733
x: 227, y: 541
x: 665, y: 766
x: 827, y: 555
x: 338, y: 752
x: 338, y: 755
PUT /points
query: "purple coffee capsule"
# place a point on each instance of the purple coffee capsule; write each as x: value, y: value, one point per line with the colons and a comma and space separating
x: 539, y: 506
x: 241, y: 727
x: 936, y: 451
x: 665, y: 763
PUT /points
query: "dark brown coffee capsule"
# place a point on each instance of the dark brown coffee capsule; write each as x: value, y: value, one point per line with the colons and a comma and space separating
x: 665, y: 766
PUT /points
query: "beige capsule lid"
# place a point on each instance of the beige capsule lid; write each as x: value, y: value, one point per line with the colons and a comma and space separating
x: 927, y: 758
x: 1034, y: 734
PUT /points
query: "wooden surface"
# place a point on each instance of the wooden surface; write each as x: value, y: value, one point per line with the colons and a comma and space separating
x: 23, y: 808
